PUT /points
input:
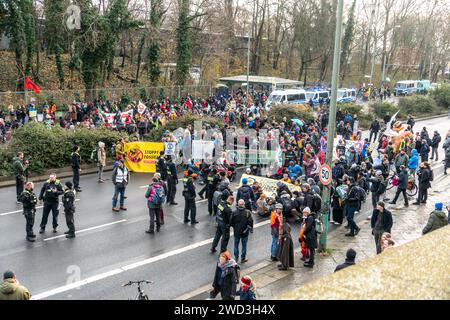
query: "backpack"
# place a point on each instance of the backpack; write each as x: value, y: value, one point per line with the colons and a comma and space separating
x: 287, y: 204
x: 245, y: 192
x: 94, y: 155
x: 431, y: 175
x: 319, y: 225
x: 337, y: 172
x: 157, y: 195
x: 381, y: 188
x: 317, y: 203
x: 217, y: 197
x: 361, y: 194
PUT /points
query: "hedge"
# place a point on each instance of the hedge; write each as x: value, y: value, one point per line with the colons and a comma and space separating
x: 52, y: 148
x: 442, y: 96
x: 417, y: 105
x: 380, y: 109
x: 290, y: 111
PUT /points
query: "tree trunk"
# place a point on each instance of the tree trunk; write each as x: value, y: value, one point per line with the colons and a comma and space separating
x: 139, y: 58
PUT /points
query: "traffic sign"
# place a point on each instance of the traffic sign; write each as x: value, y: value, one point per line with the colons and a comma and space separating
x: 325, y: 174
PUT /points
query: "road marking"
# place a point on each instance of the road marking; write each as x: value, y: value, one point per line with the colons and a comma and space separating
x: 201, y: 200
x: 135, y: 265
x: 88, y: 229
x: 18, y: 211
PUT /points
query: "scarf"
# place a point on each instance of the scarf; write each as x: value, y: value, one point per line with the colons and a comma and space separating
x: 226, y: 266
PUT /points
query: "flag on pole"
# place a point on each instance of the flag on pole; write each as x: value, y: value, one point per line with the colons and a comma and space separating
x: 31, y: 85
x: 141, y: 107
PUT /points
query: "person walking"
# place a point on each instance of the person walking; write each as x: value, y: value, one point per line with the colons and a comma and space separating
x: 76, y: 161
x: 377, y: 187
x: 374, y: 128
x: 285, y: 252
x: 402, y: 186
x: 29, y: 200
x: 223, y: 220
x: 11, y: 289
x: 226, y: 277
x: 120, y: 179
x: 435, y: 145
x: 155, y: 196
x: 101, y: 160
x: 212, y: 182
x: 411, y: 122
x: 69, y: 208
x: 276, y: 221
x: 189, y: 195
x: 172, y: 180
x: 19, y: 168
x: 50, y: 192
x: 436, y: 220
x: 380, y: 223
x: 425, y: 177
x: 349, y: 260
x: 310, y: 236
x: 351, y: 204
x: 242, y: 223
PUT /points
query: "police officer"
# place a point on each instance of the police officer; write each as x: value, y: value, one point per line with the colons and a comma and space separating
x: 172, y: 181
x: 19, y: 168
x: 76, y: 160
x: 29, y: 200
x: 223, y: 219
x: 50, y: 192
x: 161, y: 166
x: 212, y: 182
x: 189, y: 197
x: 69, y: 208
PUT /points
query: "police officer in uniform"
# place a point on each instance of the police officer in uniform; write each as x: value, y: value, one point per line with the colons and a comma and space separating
x: 172, y: 181
x: 189, y: 197
x: 29, y: 200
x: 213, y: 180
x: 50, y: 192
x: 223, y: 218
x: 69, y: 209
x: 161, y: 166
x: 19, y: 167
x: 76, y: 160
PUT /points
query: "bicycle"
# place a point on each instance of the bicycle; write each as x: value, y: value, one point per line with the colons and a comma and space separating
x: 411, y: 190
x: 141, y: 294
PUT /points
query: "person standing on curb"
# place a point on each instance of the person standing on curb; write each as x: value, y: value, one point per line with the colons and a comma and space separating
x: 76, y: 160
x: 436, y: 220
x: 29, y: 200
x: 101, y: 160
x: 50, y: 192
x: 11, y: 289
x: 242, y: 223
x: 69, y: 209
x: 310, y: 236
x: 120, y: 179
x: 402, y: 186
x: 276, y: 221
x: 223, y: 219
x: 155, y: 196
x: 349, y: 260
x: 19, y: 167
x: 380, y: 223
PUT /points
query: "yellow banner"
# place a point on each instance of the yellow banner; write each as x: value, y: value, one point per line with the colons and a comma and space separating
x: 269, y: 186
x: 141, y: 156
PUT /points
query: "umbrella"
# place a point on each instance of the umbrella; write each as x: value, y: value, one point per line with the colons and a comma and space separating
x: 297, y: 121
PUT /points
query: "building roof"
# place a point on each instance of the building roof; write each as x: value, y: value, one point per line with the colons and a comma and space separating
x: 261, y: 80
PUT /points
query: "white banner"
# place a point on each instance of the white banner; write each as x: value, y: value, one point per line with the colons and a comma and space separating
x: 202, y: 149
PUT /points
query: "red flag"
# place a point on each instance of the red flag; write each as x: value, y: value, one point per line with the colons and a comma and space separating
x: 31, y: 85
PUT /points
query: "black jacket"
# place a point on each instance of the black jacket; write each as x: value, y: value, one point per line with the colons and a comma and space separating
x: 172, y: 170
x: 76, y: 159
x: 403, y: 180
x: 189, y: 188
x: 387, y: 219
x: 68, y: 200
x: 310, y: 231
x: 375, y: 126
x: 346, y: 264
x: 224, y: 213
x: 28, y: 199
x: 228, y: 287
x: 352, y: 197
x: 436, y: 140
x: 242, y: 222
x: 51, y: 191
x: 424, y: 178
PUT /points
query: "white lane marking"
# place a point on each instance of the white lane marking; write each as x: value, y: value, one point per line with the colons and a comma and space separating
x: 201, y: 200
x: 88, y: 229
x: 135, y: 265
x: 18, y: 211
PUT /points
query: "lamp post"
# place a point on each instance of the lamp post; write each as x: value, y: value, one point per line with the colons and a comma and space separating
x: 332, y: 119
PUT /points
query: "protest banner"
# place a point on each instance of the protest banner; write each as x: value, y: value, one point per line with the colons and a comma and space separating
x: 141, y: 156
x: 269, y: 186
x: 202, y: 149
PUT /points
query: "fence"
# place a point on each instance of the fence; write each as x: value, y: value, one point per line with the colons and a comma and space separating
x: 61, y: 97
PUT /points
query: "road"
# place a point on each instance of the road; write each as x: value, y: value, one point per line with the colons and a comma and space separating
x: 112, y: 248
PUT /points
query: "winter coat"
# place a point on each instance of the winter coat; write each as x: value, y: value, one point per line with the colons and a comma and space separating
x: 436, y: 140
x: 310, y: 231
x: 414, y: 160
x: 424, y: 150
x: 387, y: 219
x: 403, y: 180
x: 101, y: 156
x: 11, y: 290
x: 344, y: 265
x: 247, y: 294
x: 436, y: 220
x: 285, y: 251
x: 424, y: 178
x: 401, y: 159
x: 242, y: 222
x: 226, y: 280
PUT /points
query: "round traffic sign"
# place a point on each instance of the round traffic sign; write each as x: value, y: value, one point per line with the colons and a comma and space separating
x: 325, y: 175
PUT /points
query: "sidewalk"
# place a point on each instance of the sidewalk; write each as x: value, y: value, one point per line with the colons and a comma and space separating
x: 408, y: 224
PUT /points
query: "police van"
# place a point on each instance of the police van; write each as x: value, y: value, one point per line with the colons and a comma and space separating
x: 406, y: 87
x: 345, y: 95
x: 296, y: 96
x: 317, y: 96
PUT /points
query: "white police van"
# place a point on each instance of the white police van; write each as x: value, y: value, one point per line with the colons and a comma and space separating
x: 297, y: 96
x: 345, y: 95
x: 317, y: 96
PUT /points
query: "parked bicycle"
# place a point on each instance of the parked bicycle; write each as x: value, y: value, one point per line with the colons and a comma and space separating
x: 141, y: 294
x: 411, y: 190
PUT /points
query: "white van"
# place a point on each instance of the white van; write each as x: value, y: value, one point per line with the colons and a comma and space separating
x: 345, y: 95
x: 297, y: 96
x: 317, y: 96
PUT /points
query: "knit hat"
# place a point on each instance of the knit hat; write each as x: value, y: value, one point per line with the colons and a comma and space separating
x: 69, y: 184
x: 278, y: 206
x: 439, y: 206
x: 226, y: 255
x: 8, y: 274
x: 351, y: 254
x: 244, y: 181
x: 246, y: 280
x: 307, y: 210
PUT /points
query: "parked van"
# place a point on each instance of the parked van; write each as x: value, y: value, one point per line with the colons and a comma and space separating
x: 317, y: 96
x: 423, y: 86
x: 406, y: 87
x: 286, y: 96
x: 345, y: 95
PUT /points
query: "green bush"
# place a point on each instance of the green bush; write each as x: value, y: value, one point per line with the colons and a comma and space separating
x: 352, y: 108
x: 442, y: 96
x: 52, y: 148
x: 290, y: 111
x: 380, y: 109
x: 417, y: 105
